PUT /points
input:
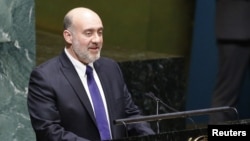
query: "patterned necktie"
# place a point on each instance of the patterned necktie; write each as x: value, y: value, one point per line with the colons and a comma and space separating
x: 100, y: 113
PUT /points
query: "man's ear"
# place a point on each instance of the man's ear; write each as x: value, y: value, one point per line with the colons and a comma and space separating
x: 67, y: 36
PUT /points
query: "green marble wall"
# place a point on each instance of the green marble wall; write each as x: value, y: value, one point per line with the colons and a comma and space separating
x: 17, y: 57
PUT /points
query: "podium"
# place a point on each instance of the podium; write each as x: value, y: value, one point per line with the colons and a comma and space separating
x: 197, y: 134
x: 181, y: 135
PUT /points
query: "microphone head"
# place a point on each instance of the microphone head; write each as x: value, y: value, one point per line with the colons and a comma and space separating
x: 152, y: 95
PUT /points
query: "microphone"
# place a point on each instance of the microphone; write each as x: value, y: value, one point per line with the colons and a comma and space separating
x: 151, y: 95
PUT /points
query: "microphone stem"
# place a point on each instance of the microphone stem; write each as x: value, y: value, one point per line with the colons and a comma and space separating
x: 157, y: 112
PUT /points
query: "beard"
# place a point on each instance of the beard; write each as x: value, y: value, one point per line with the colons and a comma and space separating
x: 83, y: 53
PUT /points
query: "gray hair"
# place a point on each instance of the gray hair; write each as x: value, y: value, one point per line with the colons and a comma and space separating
x: 67, y: 22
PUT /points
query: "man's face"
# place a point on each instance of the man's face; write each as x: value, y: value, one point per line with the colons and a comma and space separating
x: 87, y: 39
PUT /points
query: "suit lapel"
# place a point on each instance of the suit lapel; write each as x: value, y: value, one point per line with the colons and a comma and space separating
x: 75, y: 82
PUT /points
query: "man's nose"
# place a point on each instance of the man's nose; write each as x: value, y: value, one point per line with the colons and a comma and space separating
x: 96, y: 37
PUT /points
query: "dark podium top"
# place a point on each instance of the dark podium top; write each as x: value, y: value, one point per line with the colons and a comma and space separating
x: 197, y: 133
x: 183, y: 135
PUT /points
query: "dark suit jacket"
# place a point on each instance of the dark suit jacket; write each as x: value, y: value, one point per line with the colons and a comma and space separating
x: 59, y: 106
x: 233, y: 19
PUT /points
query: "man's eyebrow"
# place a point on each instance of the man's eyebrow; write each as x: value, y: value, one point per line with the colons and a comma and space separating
x: 92, y: 29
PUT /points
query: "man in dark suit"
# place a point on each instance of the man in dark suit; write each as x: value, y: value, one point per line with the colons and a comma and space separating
x: 59, y: 100
x: 233, y: 41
